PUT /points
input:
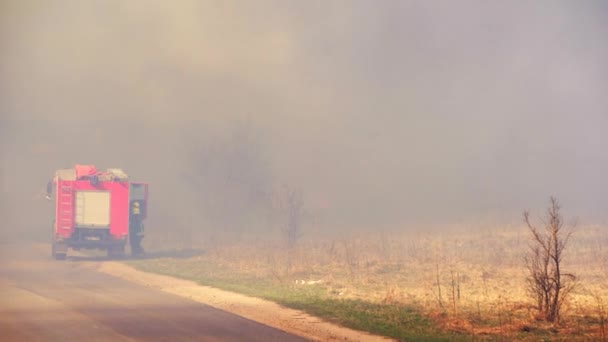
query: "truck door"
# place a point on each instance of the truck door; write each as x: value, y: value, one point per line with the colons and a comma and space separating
x: 93, y: 209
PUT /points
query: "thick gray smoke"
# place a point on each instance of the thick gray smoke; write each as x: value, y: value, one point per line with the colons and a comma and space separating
x: 382, y: 113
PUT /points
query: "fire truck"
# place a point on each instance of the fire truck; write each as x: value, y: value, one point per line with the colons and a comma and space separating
x: 96, y: 209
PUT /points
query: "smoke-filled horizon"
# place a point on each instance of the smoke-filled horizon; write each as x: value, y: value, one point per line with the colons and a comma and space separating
x: 379, y: 112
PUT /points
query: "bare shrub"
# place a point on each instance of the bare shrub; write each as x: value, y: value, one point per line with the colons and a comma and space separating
x: 547, y: 283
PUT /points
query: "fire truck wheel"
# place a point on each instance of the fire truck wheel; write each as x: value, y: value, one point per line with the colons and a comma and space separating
x: 58, y: 251
x: 58, y: 255
x: 116, y: 252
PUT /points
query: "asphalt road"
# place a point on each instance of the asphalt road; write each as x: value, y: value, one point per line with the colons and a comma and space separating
x: 46, y: 300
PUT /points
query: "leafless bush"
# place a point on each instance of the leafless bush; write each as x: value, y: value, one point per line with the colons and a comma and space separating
x: 547, y: 283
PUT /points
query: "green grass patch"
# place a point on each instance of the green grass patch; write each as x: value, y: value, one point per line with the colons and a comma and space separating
x: 397, y: 321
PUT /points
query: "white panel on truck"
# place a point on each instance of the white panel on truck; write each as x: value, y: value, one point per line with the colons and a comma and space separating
x: 92, y: 209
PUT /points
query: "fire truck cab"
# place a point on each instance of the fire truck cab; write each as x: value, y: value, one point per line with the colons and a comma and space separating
x: 96, y: 210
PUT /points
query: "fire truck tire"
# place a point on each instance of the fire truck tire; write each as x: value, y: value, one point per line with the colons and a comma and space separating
x: 58, y: 251
x: 58, y: 255
x: 116, y: 252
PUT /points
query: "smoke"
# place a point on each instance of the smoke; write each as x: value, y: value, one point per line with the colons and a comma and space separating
x: 382, y: 113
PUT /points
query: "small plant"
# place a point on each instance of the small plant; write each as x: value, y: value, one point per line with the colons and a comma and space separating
x: 352, y: 258
x: 600, y: 308
x: 439, y: 297
x: 455, y: 291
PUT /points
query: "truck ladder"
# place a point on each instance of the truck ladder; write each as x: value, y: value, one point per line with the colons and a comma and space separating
x: 66, y: 206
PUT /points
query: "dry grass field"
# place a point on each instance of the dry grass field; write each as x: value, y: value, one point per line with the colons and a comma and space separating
x: 468, y: 283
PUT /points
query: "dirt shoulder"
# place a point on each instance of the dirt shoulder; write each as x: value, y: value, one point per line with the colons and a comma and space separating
x: 255, y: 309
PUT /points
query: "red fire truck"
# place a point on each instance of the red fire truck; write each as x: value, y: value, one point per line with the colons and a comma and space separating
x: 97, y: 210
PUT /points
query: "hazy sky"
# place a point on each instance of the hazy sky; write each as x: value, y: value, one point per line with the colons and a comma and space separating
x: 379, y: 110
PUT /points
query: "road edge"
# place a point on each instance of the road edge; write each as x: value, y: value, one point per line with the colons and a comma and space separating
x: 259, y: 310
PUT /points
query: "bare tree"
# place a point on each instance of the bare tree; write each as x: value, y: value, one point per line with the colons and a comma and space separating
x: 230, y: 176
x: 547, y: 282
x: 289, y: 206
